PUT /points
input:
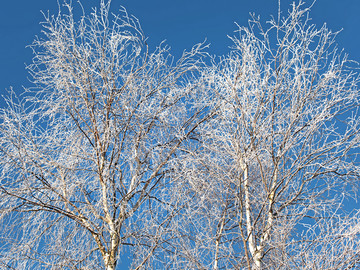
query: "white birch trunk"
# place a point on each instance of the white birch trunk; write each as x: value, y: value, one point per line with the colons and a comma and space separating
x: 249, y: 225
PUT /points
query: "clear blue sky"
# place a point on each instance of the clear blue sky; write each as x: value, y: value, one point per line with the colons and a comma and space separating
x: 182, y: 23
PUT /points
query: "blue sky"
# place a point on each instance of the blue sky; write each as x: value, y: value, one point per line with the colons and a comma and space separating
x: 181, y: 23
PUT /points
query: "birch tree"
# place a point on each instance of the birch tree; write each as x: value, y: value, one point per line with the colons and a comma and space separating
x: 85, y: 149
x: 263, y: 186
x: 246, y: 163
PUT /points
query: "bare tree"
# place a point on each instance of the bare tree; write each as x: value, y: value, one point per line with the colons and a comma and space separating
x: 85, y: 149
x: 261, y: 188
x: 242, y: 164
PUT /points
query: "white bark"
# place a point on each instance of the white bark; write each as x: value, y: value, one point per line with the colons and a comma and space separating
x: 249, y: 221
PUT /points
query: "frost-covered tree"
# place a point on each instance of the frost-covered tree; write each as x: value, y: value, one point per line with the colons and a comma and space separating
x: 263, y: 186
x: 87, y: 147
x: 239, y: 162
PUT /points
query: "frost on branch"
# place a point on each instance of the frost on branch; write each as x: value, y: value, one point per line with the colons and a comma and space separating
x: 282, y: 146
x: 84, y: 150
x: 239, y: 162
